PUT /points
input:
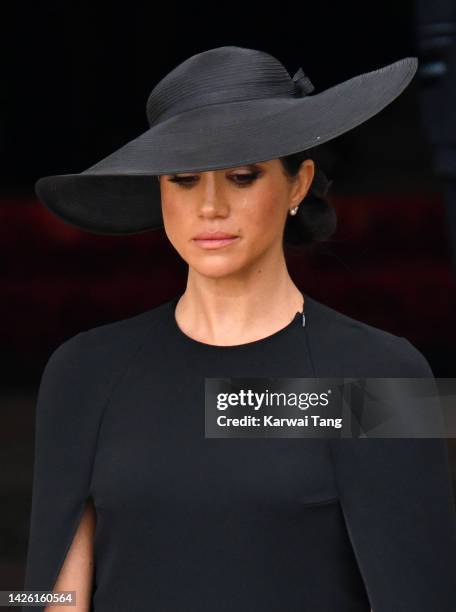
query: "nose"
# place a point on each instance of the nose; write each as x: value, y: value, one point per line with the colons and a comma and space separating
x: 212, y: 199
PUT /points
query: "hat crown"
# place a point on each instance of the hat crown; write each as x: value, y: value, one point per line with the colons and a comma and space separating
x: 224, y: 74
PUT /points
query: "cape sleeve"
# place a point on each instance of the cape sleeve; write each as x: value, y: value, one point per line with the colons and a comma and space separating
x: 67, y: 417
x: 398, y: 503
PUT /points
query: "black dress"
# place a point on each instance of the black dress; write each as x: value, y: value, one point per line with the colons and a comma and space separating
x: 189, y: 523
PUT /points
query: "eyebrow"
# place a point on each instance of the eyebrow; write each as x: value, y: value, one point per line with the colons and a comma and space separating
x: 255, y: 166
x: 249, y: 166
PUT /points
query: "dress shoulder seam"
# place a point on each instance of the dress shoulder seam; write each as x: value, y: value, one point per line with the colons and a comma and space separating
x: 130, y: 360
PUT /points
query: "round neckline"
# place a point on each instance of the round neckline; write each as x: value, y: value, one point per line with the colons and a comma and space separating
x: 295, y: 321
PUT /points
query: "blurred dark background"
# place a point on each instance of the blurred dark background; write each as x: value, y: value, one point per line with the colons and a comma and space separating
x: 76, y: 77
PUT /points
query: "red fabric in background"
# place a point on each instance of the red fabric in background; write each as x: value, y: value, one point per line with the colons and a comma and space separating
x: 387, y: 265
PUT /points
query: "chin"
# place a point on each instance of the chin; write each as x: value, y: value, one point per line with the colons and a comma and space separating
x: 215, y: 269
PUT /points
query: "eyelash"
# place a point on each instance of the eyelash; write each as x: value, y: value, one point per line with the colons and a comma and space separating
x: 187, y: 181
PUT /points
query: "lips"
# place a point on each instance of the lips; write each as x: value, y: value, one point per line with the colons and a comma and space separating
x: 213, y: 236
x: 214, y: 240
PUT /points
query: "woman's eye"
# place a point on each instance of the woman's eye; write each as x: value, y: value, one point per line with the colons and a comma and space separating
x: 245, y: 179
x: 182, y: 180
x: 239, y: 179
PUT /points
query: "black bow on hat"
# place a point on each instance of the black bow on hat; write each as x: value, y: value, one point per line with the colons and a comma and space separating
x: 303, y: 83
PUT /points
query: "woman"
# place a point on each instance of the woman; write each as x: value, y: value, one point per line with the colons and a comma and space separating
x: 134, y: 508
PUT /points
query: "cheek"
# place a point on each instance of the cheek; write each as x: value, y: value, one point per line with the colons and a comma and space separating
x: 175, y: 220
x: 169, y: 206
x: 267, y: 212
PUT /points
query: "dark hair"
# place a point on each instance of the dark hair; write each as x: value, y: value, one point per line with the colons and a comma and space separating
x: 316, y: 219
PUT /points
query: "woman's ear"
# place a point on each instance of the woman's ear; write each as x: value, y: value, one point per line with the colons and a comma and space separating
x: 303, y: 181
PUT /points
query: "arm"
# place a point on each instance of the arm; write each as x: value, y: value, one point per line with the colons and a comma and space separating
x: 68, y: 413
x: 78, y: 382
x: 77, y: 571
x: 399, y: 508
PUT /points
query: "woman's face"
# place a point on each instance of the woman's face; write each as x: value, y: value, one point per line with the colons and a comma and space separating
x: 250, y: 203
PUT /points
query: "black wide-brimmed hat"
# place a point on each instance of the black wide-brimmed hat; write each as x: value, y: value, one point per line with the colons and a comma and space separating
x: 222, y: 108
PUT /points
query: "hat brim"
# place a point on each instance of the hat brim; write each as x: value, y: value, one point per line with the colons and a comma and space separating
x: 118, y: 195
